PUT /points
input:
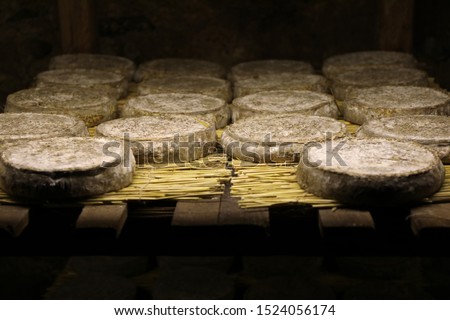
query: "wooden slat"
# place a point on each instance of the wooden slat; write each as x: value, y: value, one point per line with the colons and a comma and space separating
x: 196, y: 213
x: 346, y: 219
x: 78, y: 26
x: 232, y: 214
x: 14, y: 219
x: 432, y: 216
x: 396, y: 25
x: 105, y: 217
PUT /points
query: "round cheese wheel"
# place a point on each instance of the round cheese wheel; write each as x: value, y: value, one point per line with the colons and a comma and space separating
x: 311, y: 82
x: 104, y: 81
x: 111, y: 63
x: 209, y: 86
x: 387, y: 101
x: 61, y: 168
x: 19, y: 127
x: 370, y: 171
x: 209, y: 109
x: 429, y: 130
x: 345, y: 82
x: 93, y: 107
x: 169, y: 67
x: 337, y: 64
x: 277, y: 138
x: 162, y: 138
x: 258, y: 68
x: 284, y: 102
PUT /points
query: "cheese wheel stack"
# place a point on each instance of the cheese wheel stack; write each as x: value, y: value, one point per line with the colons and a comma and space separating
x: 164, y: 138
x: 387, y: 101
x: 171, y: 67
x: 365, y: 69
x: 311, y: 82
x: 22, y: 127
x: 429, y: 130
x: 212, y: 110
x: 107, y: 82
x: 283, y: 102
x: 277, y: 138
x: 343, y: 84
x: 110, y: 63
x: 342, y: 63
x: 260, y: 68
x: 93, y: 107
x: 65, y: 167
x: 370, y: 171
x: 214, y: 87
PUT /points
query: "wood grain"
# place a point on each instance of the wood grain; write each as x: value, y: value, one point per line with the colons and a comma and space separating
x: 111, y: 217
x: 433, y: 216
x: 196, y: 213
x: 14, y: 219
x: 396, y: 25
x: 347, y: 220
x: 78, y: 26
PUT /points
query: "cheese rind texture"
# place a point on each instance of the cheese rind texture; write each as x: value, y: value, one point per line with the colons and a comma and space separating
x: 367, y: 104
x: 311, y: 82
x: 169, y: 67
x: 93, y: 107
x: 259, y: 68
x: 162, y: 138
x: 277, y: 138
x: 370, y: 171
x: 344, y: 83
x: 62, y: 168
x: 337, y: 64
x: 214, y: 87
x: 284, y: 102
x: 429, y: 130
x: 209, y: 109
x: 19, y: 127
x: 107, y: 82
x: 111, y: 63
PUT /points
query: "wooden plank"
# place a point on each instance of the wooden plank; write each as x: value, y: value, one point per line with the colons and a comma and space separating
x: 231, y: 214
x: 196, y: 213
x: 14, y: 219
x: 104, y: 217
x: 78, y: 26
x: 396, y: 25
x: 431, y: 216
x: 345, y: 219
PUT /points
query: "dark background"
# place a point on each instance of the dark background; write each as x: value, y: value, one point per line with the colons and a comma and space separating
x: 223, y: 31
x: 228, y: 32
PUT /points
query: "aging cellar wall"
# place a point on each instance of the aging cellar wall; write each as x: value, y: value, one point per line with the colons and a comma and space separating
x: 223, y: 31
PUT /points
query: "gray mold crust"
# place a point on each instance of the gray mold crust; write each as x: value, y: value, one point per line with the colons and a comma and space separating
x: 284, y: 102
x: 373, y: 172
x: 163, y: 138
x: 62, y: 168
x: 367, y: 104
x: 277, y: 138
